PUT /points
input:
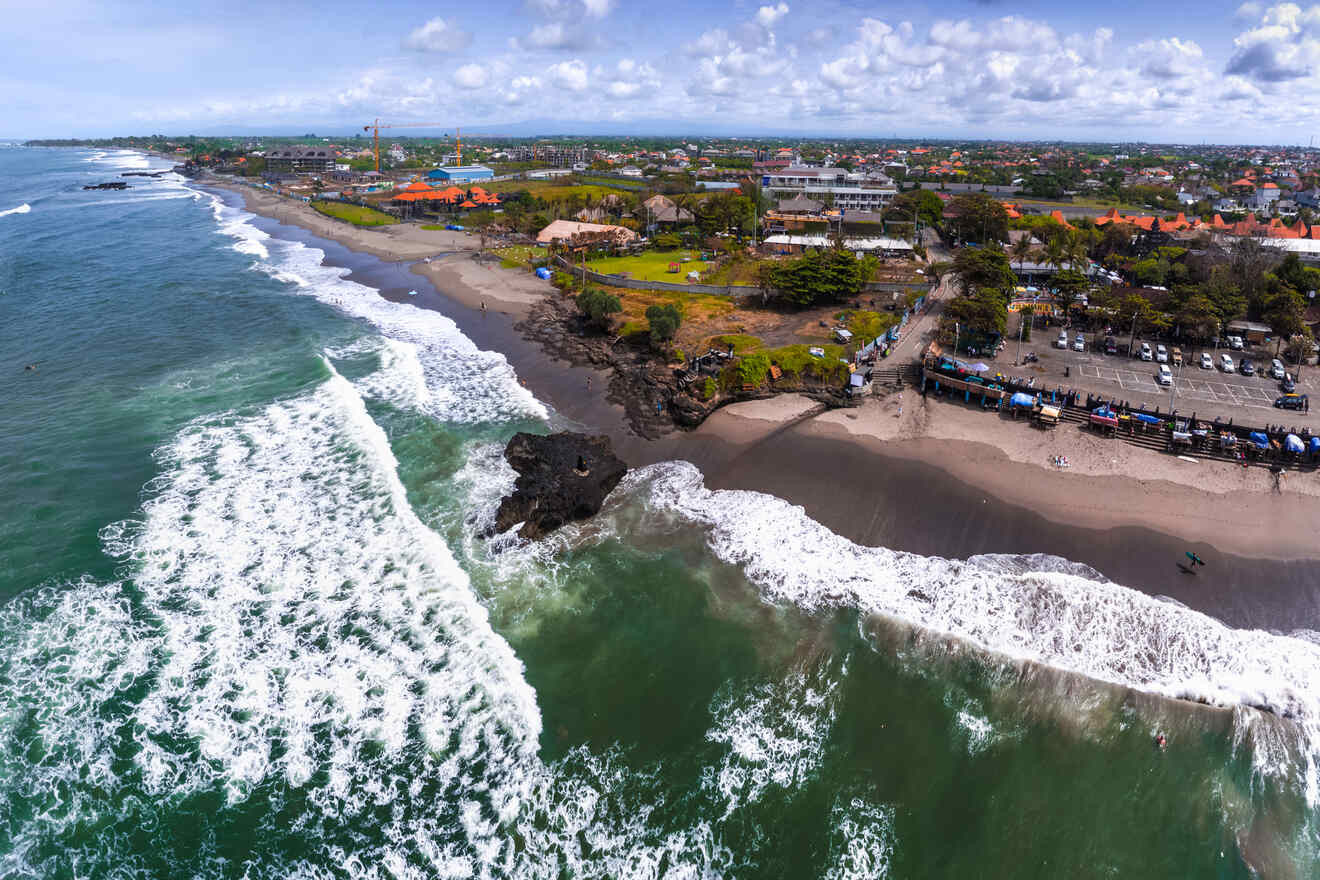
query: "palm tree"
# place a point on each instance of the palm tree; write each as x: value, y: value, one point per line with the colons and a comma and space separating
x: 1055, y: 253
x: 1021, y: 249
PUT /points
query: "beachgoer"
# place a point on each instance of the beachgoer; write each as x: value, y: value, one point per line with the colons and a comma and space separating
x: 1161, y: 741
x: 483, y: 305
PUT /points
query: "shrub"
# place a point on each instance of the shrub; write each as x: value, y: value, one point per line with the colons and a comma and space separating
x: 598, y: 305
x: 709, y: 388
x: 664, y: 321
x: 753, y: 368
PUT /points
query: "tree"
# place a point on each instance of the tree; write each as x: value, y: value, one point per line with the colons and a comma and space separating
x: 664, y: 321
x: 1021, y: 249
x: 1197, y: 318
x: 983, y: 267
x: 482, y: 222
x: 977, y: 217
x: 1224, y: 294
x: 1069, y: 283
x: 598, y: 305
x: 1250, y: 260
x: 830, y: 276
x: 1284, y: 312
x: 983, y: 312
x: 927, y: 207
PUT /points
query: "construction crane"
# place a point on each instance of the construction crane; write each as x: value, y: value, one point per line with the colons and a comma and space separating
x: 376, y: 126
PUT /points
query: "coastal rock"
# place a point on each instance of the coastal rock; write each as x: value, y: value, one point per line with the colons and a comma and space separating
x: 114, y: 184
x: 561, y: 478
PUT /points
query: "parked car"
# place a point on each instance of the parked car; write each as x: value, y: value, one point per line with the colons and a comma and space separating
x: 1176, y: 357
x: 1207, y: 362
x: 1079, y: 343
x: 1276, y: 369
x: 1165, y: 375
x: 1235, y: 343
x: 1287, y: 385
x: 1247, y: 368
x: 1111, y: 345
x: 1062, y: 341
x: 1145, y: 352
x: 1161, y: 354
x: 1291, y: 401
x: 1226, y: 363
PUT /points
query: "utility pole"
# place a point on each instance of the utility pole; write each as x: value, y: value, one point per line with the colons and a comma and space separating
x: 1133, y: 340
x: 1022, y: 324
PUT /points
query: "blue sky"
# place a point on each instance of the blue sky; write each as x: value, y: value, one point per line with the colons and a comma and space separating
x: 1108, y: 71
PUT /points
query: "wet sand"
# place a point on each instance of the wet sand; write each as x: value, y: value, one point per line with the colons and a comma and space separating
x: 905, y: 494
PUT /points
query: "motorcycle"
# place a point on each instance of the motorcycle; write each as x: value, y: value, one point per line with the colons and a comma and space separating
x: 1030, y: 358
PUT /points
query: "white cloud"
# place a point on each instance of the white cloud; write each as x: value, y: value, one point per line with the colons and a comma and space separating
x: 1286, y: 46
x: 768, y: 16
x: 570, y: 75
x: 471, y: 76
x: 598, y: 8
x: 436, y: 35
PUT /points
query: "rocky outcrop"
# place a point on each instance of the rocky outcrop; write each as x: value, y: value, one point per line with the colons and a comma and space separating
x: 114, y: 184
x: 561, y: 478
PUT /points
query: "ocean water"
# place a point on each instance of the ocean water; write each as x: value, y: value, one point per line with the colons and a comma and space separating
x: 247, y: 628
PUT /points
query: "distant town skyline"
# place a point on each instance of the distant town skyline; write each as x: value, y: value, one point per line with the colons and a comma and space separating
x: 1232, y: 73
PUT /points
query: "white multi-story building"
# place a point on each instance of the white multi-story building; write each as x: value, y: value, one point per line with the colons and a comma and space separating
x: 845, y: 190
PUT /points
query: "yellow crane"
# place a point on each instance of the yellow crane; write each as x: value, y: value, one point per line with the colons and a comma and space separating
x: 376, y: 126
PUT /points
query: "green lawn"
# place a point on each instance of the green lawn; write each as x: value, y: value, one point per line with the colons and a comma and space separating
x: 355, y: 214
x: 652, y: 265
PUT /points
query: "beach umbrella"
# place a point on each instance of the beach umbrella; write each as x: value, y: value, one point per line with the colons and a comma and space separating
x: 978, y: 367
x: 1293, y: 443
x: 1259, y: 438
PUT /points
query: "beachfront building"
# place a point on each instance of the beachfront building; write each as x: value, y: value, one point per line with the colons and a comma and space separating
x: 565, y: 231
x: 460, y: 174
x: 877, y: 245
x: 301, y: 160
x: 844, y: 190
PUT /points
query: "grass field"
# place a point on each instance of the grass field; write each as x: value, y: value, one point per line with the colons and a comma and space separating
x: 651, y: 266
x: 518, y: 255
x: 558, y: 192
x: 355, y: 214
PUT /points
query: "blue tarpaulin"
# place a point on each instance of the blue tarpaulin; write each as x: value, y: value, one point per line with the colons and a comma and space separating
x: 544, y: 273
x: 1020, y: 399
x: 1315, y: 445
x: 1259, y: 439
x: 1150, y: 420
x: 1293, y: 443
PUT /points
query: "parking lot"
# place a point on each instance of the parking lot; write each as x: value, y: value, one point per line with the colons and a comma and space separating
x: 1211, y: 393
x: 1190, y: 383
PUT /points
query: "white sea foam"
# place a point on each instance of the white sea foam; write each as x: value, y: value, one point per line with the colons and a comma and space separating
x: 1072, y: 622
x: 775, y: 734
x: 862, y: 840
x: 297, y: 629
x: 463, y: 383
x: 21, y: 209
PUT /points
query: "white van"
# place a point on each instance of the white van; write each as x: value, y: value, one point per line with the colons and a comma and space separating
x: 1165, y: 375
x: 1226, y: 363
x: 1145, y: 352
x: 1161, y: 353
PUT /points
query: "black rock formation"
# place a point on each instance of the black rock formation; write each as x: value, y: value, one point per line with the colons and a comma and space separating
x: 114, y: 184
x: 561, y: 478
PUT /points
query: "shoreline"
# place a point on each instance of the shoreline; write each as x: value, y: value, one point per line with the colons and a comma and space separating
x: 852, y: 471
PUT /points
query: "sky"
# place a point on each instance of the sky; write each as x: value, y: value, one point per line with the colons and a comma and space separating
x: 1109, y: 71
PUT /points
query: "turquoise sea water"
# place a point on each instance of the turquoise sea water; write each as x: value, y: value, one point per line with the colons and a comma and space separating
x: 247, y: 628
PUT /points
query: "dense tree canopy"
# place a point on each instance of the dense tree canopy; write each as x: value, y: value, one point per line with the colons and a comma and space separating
x: 978, y: 218
x: 821, y: 277
x: 664, y: 321
x: 983, y: 267
x: 598, y: 305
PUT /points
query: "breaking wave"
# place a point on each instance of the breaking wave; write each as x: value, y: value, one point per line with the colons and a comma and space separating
x: 461, y: 382
x: 21, y: 209
x: 1061, y: 615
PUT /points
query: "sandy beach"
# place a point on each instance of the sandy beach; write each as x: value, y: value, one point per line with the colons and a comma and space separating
x: 928, y: 476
